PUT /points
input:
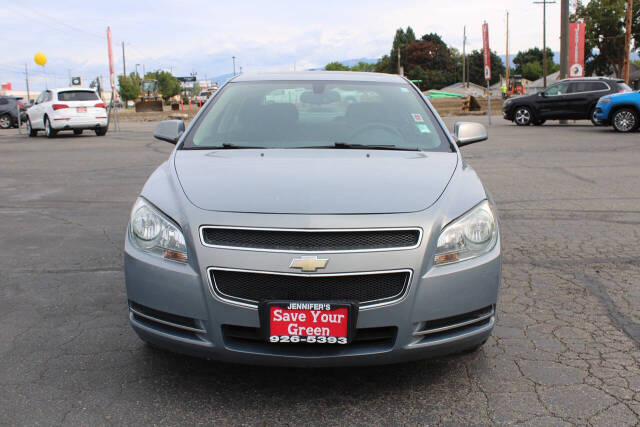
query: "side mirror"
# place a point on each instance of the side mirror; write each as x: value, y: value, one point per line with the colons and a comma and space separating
x: 169, y: 131
x: 469, y: 132
x: 542, y: 94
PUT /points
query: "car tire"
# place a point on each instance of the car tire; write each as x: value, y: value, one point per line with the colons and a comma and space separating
x: 77, y: 131
x: 48, y: 130
x: 625, y: 120
x: 539, y: 122
x: 101, y: 131
x: 592, y: 116
x: 30, y: 130
x: 522, y: 116
x: 5, y: 121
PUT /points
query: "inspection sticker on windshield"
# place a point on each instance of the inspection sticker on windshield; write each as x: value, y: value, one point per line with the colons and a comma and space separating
x: 423, y: 128
x: 417, y: 118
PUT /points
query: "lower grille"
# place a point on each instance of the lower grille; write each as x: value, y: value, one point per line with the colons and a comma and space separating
x: 253, y: 287
x: 166, y: 322
x: 364, y: 340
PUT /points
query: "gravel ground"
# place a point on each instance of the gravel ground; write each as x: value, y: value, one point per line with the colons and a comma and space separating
x: 566, y: 349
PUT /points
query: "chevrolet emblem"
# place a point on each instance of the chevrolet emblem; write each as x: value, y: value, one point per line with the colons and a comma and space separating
x: 308, y: 263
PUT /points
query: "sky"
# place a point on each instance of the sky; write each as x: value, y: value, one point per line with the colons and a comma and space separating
x: 278, y: 35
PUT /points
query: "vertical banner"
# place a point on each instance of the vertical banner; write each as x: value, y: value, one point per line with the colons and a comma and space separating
x: 576, y: 49
x: 486, y: 53
x: 111, y: 75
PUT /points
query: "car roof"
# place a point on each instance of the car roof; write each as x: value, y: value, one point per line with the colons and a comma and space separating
x: 64, y: 89
x: 351, y: 76
x: 577, y: 79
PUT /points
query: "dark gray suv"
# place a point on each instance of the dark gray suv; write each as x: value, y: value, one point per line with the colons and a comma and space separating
x: 9, y: 111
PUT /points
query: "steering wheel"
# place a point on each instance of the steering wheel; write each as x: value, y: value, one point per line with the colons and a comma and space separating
x: 371, y: 126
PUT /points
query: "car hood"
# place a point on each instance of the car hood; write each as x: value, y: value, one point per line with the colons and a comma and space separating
x: 313, y: 181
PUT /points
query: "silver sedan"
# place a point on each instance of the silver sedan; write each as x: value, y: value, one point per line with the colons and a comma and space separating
x: 314, y: 219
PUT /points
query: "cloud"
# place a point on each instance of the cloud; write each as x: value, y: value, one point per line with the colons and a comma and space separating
x: 202, y: 36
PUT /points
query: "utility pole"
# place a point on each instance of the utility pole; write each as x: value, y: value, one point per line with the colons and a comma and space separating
x: 544, y: 4
x: 124, y: 64
x: 506, y: 78
x: 464, y: 56
x: 26, y: 76
x: 564, y: 39
x: 234, y: 65
x: 627, y: 41
x: 137, y: 65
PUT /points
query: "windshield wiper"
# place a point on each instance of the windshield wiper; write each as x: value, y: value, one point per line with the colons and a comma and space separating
x: 347, y: 145
x: 228, y: 145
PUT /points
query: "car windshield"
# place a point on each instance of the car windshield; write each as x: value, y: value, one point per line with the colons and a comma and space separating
x: 318, y: 114
x: 77, y: 95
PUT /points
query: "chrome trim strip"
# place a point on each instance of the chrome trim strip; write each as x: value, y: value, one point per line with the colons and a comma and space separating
x: 164, y: 322
x: 454, y: 326
x: 311, y: 230
x: 220, y: 296
x: 454, y: 338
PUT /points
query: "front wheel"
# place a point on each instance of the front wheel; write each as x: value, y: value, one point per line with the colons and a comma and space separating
x: 101, y: 131
x: 625, y: 120
x: 48, y: 130
x: 523, y: 116
x: 594, y: 120
x: 5, y: 121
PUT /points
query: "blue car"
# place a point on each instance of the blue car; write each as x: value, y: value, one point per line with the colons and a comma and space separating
x: 622, y: 110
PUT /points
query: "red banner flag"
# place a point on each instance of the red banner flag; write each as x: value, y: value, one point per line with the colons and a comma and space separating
x: 6, y: 86
x: 112, y: 78
x: 576, y: 49
x: 486, y: 53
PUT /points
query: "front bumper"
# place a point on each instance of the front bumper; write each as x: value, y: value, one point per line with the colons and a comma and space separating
x: 446, y: 309
x: 602, y: 112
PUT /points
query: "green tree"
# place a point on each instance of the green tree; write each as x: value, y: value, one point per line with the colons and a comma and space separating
x: 389, y: 63
x: 129, y: 87
x: 336, y: 66
x: 196, y: 89
x: 476, y: 68
x: 534, y: 56
x: 605, y: 34
x: 363, y: 66
x: 530, y: 70
x: 168, y: 85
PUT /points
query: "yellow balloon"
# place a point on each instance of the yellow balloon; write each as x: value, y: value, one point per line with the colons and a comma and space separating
x: 40, y: 58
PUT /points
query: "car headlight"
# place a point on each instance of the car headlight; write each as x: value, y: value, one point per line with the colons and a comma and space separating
x: 155, y: 233
x: 469, y: 236
x: 604, y: 101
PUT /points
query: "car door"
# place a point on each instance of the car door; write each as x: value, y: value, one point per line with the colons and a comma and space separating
x: 35, y: 112
x: 552, y: 102
x: 578, y: 100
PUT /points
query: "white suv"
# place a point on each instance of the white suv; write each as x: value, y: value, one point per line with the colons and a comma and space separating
x: 71, y: 108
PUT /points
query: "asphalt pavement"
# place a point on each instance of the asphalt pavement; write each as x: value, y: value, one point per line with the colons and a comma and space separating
x: 566, y: 349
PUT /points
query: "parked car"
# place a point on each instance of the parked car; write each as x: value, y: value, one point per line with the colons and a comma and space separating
x: 71, y: 108
x: 9, y: 106
x: 621, y: 110
x: 573, y: 99
x: 314, y: 230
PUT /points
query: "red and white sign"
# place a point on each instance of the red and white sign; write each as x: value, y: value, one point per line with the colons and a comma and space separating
x: 576, y: 49
x: 486, y: 53
x: 309, y: 322
x: 112, y: 77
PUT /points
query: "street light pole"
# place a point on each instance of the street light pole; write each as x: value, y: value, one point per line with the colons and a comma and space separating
x: 627, y: 40
x: 564, y: 39
x: 234, y: 64
x: 544, y: 4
